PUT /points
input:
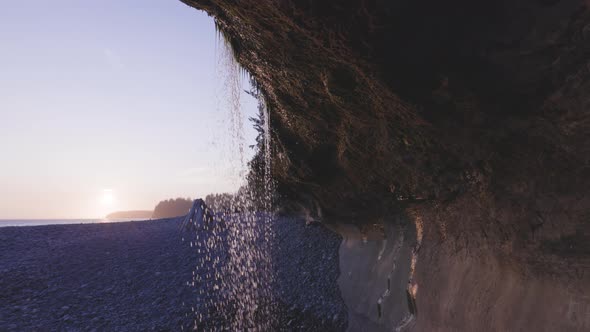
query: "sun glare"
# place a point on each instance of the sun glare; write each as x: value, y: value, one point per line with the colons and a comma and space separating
x: 108, y: 198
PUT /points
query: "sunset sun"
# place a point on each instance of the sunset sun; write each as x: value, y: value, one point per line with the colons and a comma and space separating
x: 108, y: 197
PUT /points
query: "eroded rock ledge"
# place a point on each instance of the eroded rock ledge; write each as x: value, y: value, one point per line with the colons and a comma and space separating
x: 470, y: 116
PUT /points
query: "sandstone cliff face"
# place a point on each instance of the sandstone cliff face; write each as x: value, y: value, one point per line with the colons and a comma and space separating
x: 471, y: 117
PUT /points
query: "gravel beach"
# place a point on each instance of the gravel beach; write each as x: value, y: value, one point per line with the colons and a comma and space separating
x: 133, y: 276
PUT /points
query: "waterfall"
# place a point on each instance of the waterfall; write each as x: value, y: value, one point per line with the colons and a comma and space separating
x: 235, y: 275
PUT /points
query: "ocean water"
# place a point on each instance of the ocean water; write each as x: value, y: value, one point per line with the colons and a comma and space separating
x: 41, y: 222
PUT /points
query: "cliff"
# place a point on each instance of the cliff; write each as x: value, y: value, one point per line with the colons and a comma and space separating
x: 469, y: 118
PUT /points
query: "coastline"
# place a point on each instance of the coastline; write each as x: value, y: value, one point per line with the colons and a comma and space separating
x: 113, y: 276
x: 52, y: 222
x: 132, y: 276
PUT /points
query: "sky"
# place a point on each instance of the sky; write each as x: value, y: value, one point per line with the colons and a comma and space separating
x: 111, y: 105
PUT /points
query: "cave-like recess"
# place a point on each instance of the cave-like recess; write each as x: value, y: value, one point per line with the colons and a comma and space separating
x: 471, y: 118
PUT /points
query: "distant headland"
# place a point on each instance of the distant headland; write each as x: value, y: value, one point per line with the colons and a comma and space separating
x: 139, y: 214
x: 169, y: 208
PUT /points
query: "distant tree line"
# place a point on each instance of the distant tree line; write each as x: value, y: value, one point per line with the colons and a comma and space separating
x: 172, y: 208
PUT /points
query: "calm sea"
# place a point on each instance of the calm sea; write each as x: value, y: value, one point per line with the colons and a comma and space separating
x: 40, y: 222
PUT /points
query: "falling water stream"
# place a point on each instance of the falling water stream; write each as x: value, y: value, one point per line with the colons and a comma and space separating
x: 234, y: 273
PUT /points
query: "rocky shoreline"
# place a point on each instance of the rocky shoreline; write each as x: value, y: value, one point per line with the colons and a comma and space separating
x: 133, y: 276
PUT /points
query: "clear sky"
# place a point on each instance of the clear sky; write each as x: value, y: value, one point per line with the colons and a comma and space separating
x: 109, y: 105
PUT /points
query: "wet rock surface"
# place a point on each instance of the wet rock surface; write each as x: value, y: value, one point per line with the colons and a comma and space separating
x: 133, y: 277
